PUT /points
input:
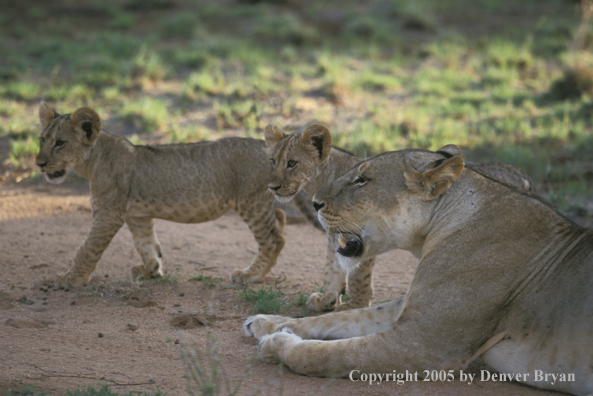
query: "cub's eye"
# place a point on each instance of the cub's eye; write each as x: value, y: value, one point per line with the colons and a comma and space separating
x: 273, y: 161
x: 60, y: 143
x: 41, y: 141
x: 360, y: 181
x: 291, y: 164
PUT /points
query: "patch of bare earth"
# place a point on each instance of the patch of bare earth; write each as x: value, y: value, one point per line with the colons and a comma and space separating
x: 132, y: 336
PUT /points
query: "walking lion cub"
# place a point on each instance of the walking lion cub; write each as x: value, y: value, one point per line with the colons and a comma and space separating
x: 184, y: 183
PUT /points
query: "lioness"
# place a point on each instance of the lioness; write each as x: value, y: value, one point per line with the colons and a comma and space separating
x: 185, y: 183
x: 502, y: 276
x: 307, y: 161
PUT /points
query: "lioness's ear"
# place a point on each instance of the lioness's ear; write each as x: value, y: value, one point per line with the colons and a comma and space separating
x: 272, y: 135
x: 46, y: 114
x: 318, y: 135
x: 434, y: 182
x: 450, y: 150
x: 87, y: 123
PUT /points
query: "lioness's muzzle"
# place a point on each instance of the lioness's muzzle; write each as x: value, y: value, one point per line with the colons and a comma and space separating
x: 352, y: 247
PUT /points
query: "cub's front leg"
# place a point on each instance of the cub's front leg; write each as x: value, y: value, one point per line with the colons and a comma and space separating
x: 334, y: 281
x: 331, y: 326
x: 360, y: 286
x: 102, y: 231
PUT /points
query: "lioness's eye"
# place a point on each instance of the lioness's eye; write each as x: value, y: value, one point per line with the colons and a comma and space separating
x: 60, y: 143
x: 291, y: 164
x: 359, y: 180
x: 273, y: 161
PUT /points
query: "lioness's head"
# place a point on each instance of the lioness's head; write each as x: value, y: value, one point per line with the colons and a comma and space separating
x: 65, y: 140
x: 386, y: 201
x: 296, y: 158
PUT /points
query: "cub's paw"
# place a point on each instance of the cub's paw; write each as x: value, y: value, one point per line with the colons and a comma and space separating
x: 69, y: 280
x: 322, y: 302
x: 139, y: 271
x: 270, y: 347
x: 245, y: 277
x: 259, y: 326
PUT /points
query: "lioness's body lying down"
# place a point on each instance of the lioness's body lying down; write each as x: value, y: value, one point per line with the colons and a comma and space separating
x: 502, y: 276
x: 308, y: 161
x: 185, y: 183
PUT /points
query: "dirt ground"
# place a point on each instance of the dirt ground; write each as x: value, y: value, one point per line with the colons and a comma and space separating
x: 121, y: 333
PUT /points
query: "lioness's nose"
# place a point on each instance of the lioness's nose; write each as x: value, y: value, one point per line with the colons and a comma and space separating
x: 41, y: 164
x: 275, y: 187
x: 318, y: 206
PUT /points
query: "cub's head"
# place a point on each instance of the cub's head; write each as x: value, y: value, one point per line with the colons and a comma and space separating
x: 65, y: 140
x: 296, y: 158
x: 386, y: 201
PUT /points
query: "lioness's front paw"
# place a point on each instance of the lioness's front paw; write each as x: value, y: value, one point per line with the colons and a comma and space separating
x: 139, y: 271
x: 68, y: 280
x: 322, y: 302
x: 269, y: 348
x: 244, y: 277
x: 259, y: 326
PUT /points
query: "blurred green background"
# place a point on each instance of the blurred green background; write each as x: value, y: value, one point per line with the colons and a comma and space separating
x: 508, y: 81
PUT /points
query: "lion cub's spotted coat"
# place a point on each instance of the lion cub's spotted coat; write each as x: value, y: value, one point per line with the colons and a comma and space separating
x: 185, y: 183
x: 308, y: 161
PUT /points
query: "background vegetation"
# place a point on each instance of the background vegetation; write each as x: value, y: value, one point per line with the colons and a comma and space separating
x: 508, y: 81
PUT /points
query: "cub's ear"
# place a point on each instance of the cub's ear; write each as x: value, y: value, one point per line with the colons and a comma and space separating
x: 272, y: 135
x: 450, y: 150
x: 86, y: 122
x: 46, y: 114
x: 319, y: 137
x: 433, y: 182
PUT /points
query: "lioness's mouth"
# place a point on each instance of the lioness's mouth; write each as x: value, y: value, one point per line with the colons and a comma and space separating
x: 56, y: 174
x: 350, y: 247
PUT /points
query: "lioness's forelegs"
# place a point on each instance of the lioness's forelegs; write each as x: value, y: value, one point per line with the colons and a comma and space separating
x: 331, y: 326
x: 148, y: 246
x: 334, y: 280
x: 102, y: 232
x: 267, y: 226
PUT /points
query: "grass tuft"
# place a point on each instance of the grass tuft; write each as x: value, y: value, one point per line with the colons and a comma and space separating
x: 264, y: 300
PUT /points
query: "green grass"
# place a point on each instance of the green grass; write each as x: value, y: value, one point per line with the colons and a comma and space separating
x: 264, y: 300
x: 167, y: 279
x: 208, y: 281
x: 383, y: 75
x: 102, y: 390
x: 23, y: 150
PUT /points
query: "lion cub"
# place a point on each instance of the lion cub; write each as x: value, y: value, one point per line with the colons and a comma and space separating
x: 185, y: 183
x: 308, y: 161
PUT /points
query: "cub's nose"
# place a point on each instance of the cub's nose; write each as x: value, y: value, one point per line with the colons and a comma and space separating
x: 275, y: 188
x: 318, y: 206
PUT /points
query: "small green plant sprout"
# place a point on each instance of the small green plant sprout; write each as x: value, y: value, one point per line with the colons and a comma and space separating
x: 208, y: 281
x: 265, y: 300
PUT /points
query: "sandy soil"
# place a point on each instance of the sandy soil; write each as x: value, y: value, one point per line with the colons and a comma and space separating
x: 130, y: 335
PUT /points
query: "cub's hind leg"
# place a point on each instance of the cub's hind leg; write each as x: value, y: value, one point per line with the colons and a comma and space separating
x: 267, y: 226
x: 148, y: 246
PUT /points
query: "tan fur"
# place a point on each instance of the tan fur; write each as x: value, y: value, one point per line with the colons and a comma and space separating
x: 317, y: 164
x: 185, y: 183
x: 502, y: 276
